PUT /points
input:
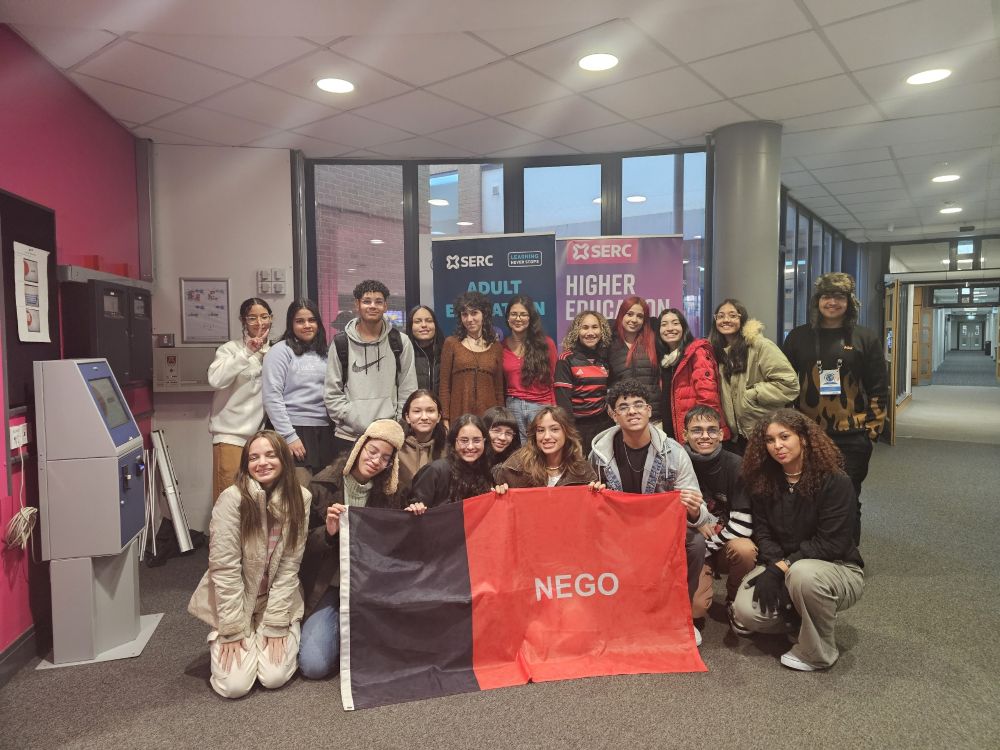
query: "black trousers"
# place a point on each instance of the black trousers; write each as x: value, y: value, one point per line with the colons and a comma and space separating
x: 857, y: 450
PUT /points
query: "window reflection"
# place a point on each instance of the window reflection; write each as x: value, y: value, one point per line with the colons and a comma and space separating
x: 561, y: 200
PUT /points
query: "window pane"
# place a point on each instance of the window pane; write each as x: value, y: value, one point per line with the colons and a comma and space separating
x: 990, y: 253
x: 359, y: 235
x: 648, y: 195
x: 693, y: 209
x: 802, y: 270
x: 561, y: 200
x: 694, y: 194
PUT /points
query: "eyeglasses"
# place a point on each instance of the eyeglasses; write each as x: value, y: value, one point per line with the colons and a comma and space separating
x: 518, y: 316
x: 502, y: 432
x: 466, y: 442
x: 712, y: 432
x: 257, y: 318
x: 375, y: 454
x: 727, y: 316
x: 626, y: 408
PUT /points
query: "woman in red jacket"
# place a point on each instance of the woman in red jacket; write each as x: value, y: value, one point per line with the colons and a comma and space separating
x: 689, y: 374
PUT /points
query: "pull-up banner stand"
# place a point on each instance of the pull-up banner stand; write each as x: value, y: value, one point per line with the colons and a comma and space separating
x: 499, y: 266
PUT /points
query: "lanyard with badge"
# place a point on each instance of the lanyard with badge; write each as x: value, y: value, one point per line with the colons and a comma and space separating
x: 829, y: 380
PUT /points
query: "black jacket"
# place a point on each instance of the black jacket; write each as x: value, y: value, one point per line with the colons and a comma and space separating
x: 433, y: 484
x: 427, y: 363
x: 641, y: 369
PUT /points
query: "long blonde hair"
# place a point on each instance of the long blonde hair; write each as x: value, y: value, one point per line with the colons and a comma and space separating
x: 290, y: 492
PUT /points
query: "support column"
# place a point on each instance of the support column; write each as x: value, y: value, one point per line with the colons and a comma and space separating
x: 745, y: 219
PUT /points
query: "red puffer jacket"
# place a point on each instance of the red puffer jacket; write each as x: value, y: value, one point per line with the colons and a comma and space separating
x: 696, y: 381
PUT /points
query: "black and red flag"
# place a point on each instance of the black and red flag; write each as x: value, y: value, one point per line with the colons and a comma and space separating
x: 530, y: 586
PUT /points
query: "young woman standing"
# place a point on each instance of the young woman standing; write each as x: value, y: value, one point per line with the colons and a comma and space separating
x: 582, y: 376
x: 424, y: 436
x: 633, y: 350
x: 471, y: 361
x: 237, y: 406
x: 294, y: 375
x: 529, y: 363
x: 427, y: 339
x: 250, y: 595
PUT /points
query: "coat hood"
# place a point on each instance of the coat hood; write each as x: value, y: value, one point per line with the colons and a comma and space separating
x: 752, y: 330
x: 351, y: 329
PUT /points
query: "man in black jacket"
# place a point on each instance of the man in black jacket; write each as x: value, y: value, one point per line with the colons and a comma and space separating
x: 843, y: 384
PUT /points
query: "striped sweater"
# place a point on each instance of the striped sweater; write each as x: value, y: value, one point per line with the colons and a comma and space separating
x: 722, y: 488
x: 581, y: 381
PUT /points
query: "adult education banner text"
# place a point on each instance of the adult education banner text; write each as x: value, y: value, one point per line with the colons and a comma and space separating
x: 534, y: 585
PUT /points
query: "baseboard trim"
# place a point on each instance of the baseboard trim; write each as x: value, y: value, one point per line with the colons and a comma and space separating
x: 17, y: 655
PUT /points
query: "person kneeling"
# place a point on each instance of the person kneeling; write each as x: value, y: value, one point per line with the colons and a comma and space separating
x: 250, y: 595
x: 804, y: 514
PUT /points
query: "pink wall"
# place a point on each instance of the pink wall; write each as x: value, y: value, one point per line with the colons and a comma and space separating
x: 59, y: 149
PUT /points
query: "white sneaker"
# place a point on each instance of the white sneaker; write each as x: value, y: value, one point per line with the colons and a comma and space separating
x: 791, y: 661
x: 697, y: 637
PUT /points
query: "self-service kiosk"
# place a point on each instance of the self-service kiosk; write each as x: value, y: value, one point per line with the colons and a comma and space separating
x: 91, y: 510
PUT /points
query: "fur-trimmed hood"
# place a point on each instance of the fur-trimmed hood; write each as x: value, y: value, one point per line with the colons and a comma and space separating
x: 752, y: 331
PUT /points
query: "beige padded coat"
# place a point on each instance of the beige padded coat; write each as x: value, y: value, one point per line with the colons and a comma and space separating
x: 227, y: 594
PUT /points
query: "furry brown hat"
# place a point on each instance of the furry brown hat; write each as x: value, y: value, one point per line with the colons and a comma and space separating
x: 835, y: 283
x: 389, y: 431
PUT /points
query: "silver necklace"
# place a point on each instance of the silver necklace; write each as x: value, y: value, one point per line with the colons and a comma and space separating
x: 629, y: 461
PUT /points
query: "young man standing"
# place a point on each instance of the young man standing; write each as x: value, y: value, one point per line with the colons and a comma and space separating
x: 634, y: 456
x: 843, y: 383
x: 369, y: 370
x: 728, y: 537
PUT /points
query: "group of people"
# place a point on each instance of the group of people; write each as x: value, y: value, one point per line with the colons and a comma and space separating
x: 754, y: 437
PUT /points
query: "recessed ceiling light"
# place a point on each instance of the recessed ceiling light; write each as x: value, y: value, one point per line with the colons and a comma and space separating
x: 351, y: 270
x: 598, y: 61
x: 464, y: 223
x: 697, y: 237
x: 377, y: 242
x: 685, y: 261
x: 437, y: 232
x: 928, y: 76
x: 951, y: 210
x: 335, y: 85
x: 438, y: 202
x: 946, y: 178
x: 597, y: 201
x: 636, y: 199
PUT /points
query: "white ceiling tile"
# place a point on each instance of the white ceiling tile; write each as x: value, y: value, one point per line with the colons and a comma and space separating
x: 637, y: 56
x: 978, y: 62
x: 418, y: 58
x: 421, y: 111
x: 866, y: 113
x: 963, y: 163
x: 65, y: 47
x: 961, y: 198
x: 796, y: 179
x: 419, y: 148
x: 696, y: 141
x: 157, y: 72
x: 696, y: 30
x: 695, y: 122
x: 821, y: 201
x: 625, y: 136
x: 838, y: 92
x: 911, y: 30
x: 518, y: 39
x: 859, y: 199
x: 855, y: 171
x: 768, y: 66
x: 847, y: 187
x: 255, y: 101
x: 300, y: 78
x: 353, y: 131
x: 213, y: 126
x: 828, y: 12
x: 941, y: 146
x: 485, y: 136
x: 902, y: 204
x: 946, y: 100
x: 242, y: 55
x: 363, y: 154
x: 569, y: 115
x: 809, y: 191
x: 845, y: 157
x: 500, y: 87
x: 654, y: 94
x: 124, y: 103
x: 314, y: 148
x: 159, y: 135
x: 541, y: 148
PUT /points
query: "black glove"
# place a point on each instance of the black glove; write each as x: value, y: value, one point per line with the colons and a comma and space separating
x: 769, y: 589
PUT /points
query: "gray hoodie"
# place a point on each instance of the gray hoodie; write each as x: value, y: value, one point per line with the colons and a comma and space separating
x: 372, y: 390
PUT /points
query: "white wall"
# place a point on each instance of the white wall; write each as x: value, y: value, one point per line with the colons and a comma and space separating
x: 217, y: 213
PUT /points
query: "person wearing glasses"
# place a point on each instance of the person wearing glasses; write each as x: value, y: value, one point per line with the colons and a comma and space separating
x: 471, y: 361
x: 755, y: 377
x: 237, y: 406
x: 843, y: 384
x: 727, y: 534
x: 529, y: 363
x: 463, y: 472
x: 501, y: 426
x: 689, y: 374
x: 367, y: 477
x: 636, y: 456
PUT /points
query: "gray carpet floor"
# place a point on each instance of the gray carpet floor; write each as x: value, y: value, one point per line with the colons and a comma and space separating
x: 966, y: 368
x: 918, y: 669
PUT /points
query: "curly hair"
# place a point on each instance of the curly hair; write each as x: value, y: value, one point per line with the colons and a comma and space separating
x: 735, y: 361
x: 645, y: 339
x: 371, y: 286
x: 292, y: 511
x: 533, y: 460
x: 764, y: 476
x: 573, y: 334
x: 536, y: 367
x: 475, y: 301
x: 468, y: 480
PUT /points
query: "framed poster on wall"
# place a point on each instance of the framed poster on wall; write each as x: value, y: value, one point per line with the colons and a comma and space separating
x: 204, y: 311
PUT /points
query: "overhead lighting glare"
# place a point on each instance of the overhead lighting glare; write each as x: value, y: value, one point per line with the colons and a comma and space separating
x: 464, y: 223
x: 598, y: 61
x: 946, y: 262
x: 636, y: 199
x: 951, y: 210
x: 377, y: 242
x: 438, y: 202
x: 946, y: 178
x: 928, y: 76
x: 335, y: 85
x: 597, y: 201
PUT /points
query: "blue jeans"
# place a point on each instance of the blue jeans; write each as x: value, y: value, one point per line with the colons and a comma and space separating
x: 524, y: 412
x: 319, y: 647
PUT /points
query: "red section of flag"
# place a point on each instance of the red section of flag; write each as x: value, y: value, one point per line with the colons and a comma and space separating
x: 570, y: 583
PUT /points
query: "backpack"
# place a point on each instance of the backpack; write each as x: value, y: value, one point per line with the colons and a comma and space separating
x: 341, y: 345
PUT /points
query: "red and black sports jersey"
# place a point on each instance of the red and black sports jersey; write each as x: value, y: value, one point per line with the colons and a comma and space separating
x: 581, y: 382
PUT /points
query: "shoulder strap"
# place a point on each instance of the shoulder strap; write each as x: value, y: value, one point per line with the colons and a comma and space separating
x: 396, y: 344
x: 341, y: 345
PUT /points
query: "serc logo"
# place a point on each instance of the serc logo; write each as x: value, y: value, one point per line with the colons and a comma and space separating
x: 452, y: 262
x: 617, y: 250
